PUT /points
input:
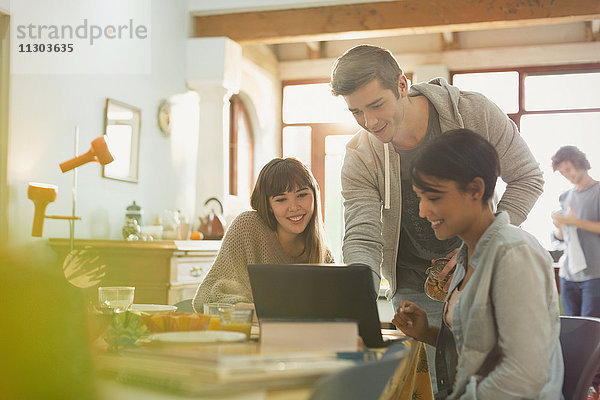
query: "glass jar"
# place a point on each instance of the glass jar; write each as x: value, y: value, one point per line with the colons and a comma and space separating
x: 134, y: 211
x: 131, y: 230
x: 434, y: 287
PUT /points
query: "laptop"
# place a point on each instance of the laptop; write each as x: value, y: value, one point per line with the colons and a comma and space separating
x: 311, y: 291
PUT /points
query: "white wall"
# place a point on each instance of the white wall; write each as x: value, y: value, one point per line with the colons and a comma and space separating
x: 263, y: 91
x: 44, y: 110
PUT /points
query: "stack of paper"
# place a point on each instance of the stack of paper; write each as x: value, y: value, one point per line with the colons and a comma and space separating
x: 209, y: 370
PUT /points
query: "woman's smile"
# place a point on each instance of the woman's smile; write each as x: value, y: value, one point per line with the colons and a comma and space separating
x: 436, y: 223
x: 296, y: 219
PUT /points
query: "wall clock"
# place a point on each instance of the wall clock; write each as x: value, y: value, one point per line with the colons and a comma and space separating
x: 164, y: 118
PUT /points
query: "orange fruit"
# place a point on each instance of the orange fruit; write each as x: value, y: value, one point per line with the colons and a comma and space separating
x: 195, y: 235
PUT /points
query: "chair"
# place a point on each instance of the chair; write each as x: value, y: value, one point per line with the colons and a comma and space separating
x: 580, y: 342
x: 362, y: 382
x: 184, y: 305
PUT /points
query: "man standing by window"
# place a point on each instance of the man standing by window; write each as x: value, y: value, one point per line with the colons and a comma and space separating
x: 578, y: 224
x: 381, y: 211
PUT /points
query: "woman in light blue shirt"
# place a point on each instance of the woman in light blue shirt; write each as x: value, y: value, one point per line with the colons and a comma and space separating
x: 502, y: 304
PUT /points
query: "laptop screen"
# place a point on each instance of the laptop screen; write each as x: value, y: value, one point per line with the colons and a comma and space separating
x: 303, y: 291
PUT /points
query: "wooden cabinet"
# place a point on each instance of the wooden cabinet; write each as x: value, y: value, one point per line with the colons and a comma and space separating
x: 163, y: 272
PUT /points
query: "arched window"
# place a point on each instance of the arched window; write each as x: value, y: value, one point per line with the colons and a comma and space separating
x: 241, y: 150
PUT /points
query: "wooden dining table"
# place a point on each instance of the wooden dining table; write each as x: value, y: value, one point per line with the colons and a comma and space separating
x: 244, y: 371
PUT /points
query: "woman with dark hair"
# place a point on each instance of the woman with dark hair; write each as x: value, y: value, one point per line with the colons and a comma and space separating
x: 284, y: 227
x: 502, y: 305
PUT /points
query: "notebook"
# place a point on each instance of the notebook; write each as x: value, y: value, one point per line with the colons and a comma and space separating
x: 318, y: 292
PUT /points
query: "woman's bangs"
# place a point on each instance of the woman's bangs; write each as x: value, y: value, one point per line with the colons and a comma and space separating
x: 286, y: 179
x: 422, y: 181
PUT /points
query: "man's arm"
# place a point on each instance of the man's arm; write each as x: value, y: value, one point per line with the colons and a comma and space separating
x: 572, y: 219
x: 519, y: 169
x: 363, y: 241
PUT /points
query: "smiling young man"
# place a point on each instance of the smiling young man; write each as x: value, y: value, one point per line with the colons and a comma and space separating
x: 382, y: 225
x: 579, y: 273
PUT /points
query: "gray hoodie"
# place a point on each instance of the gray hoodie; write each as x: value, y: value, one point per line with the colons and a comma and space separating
x: 371, y: 184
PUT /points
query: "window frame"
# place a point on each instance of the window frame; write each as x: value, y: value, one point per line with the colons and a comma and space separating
x: 237, y: 108
x: 536, y: 70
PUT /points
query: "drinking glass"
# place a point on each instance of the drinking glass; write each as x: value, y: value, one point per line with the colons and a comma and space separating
x: 212, y: 309
x: 239, y: 320
x: 115, y: 299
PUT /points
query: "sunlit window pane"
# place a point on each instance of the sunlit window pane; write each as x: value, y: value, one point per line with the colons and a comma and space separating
x: 335, y: 145
x: 335, y: 148
x: 545, y: 134
x: 297, y: 143
x: 562, y: 92
x: 500, y: 87
x: 313, y: 103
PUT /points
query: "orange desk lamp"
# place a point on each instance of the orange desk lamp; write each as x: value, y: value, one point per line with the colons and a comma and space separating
x: 42, y: 194
x: 98, y: 152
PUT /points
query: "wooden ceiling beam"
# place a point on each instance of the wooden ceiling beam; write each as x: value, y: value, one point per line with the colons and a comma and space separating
x: 390, y: 18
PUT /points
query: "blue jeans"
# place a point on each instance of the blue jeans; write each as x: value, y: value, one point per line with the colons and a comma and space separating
x: 434, y: 317
x: 580, y: 298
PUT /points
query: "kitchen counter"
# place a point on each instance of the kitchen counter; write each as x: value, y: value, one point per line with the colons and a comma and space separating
x: 163, y: 271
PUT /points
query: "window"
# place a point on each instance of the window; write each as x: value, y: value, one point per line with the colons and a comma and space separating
x: 313, y: 103
x: 296, y: 142
x: 500, y: 87
x: 557, y: 106
x: 241, y: 150
x: 316, y: 127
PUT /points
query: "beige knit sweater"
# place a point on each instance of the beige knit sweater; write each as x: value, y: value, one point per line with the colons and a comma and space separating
x: 248, y: 241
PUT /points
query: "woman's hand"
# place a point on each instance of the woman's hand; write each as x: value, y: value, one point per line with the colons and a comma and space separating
x: 412, y: 321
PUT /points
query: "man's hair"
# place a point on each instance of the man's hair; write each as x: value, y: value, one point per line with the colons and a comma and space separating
x: 360, y: 65
x: 571, y: 154
x: 459, y: 155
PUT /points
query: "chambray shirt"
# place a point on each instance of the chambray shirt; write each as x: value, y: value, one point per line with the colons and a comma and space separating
x: 506, y: 321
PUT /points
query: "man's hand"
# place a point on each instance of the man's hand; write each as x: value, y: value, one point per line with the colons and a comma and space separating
x: 557, y: 224
x: 558, y: 232
x: 569, y: 219
x: 448, y: 269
